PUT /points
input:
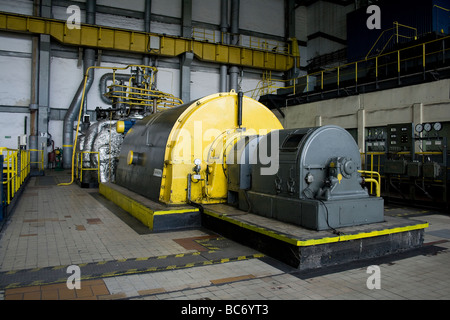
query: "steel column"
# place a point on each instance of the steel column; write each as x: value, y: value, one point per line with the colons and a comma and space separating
x: 187, y: 57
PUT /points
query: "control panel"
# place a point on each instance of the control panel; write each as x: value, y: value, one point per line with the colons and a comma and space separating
x: 376, y: 139
x: 400, y: 137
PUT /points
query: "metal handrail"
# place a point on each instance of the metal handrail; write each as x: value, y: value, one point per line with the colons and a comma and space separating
x: 79, y: 165
x: 15, y: 175
x: 395, y: 27
x: 340, y: 71
x: 41, y: 162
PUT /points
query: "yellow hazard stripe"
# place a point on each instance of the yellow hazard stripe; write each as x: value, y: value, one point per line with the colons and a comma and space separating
x: 310, y: 242
x: 136, y: 209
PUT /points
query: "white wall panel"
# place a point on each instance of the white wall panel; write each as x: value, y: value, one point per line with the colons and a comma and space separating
x: 65, y: 77
x: 15, y: 81
x: 206, y: 11
x: 168, y: 81
x: 12, y: 126
x: 170, y: 8
x: 265, y: 16
x: 17, y: 6
x: 203, y: 84
x: 15, y: 42
x: 135, y: 5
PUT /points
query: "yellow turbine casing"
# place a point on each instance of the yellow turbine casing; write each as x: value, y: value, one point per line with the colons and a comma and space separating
x: 206, y: 130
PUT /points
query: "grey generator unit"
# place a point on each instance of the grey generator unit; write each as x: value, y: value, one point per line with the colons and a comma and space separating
x: 308, y: 177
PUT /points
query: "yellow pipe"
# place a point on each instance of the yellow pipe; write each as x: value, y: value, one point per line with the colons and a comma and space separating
x: 378, y: 188
x: 372, y: 180
x: 78, y: 126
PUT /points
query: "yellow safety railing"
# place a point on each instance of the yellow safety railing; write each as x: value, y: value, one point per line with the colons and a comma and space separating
x: 80, y: 169
x: 16, y: 168
x: 352, y: 72
x: 40, y: 162
x: 395, y: 34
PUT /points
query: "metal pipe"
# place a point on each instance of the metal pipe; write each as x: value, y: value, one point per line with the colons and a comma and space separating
x: 104, y: 81
x: 223, y: 15
x: 90, y: 11
x: 239, y: 115
x: 234, y: 71
x: 75, y: 105
x: 69, y: 119
x: 235, y: 22
x: 33, y: 142
x: 147, y: 21
x: 224, y: 33
x: 223, y: 78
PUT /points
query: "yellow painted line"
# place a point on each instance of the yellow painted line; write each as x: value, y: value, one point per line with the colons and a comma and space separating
x: 136, y: 209
x: 177, y: 211
x: 58, y: 267
x: 67, y: 145
x: 12, y: 272
x: 141, y: 259
x: 304, y: 243
x: 130, y: 271
x: 161, y: 257
x: 151, y: 269
x: 109, y: 274
x: 364, y: 234
x: 254, y: 228
x: 179, y: 255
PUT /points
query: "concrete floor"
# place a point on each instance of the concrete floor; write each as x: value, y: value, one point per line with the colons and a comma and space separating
x: 54, y: 227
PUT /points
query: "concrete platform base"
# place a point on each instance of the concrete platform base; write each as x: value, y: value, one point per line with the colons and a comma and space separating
x: 157, y: 217
x: 296, y: 246
x: 308, y: 249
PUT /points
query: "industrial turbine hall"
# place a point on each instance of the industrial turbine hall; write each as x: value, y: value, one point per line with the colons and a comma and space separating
x: 225, y: 150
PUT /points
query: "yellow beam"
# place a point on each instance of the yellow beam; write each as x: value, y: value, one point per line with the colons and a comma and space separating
x: 139, y: 42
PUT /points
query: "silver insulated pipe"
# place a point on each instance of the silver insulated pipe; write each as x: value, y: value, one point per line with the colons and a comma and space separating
x: 75, y: 105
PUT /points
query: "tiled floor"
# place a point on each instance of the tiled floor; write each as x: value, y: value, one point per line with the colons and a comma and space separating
x: 57, y: 226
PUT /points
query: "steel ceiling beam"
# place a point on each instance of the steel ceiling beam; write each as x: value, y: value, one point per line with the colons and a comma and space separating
x: 109, y: 38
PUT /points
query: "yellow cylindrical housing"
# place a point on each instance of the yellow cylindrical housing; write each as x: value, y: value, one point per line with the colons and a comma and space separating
x: 206, y: 131
x: 130, y: 157
x: 120, y: 126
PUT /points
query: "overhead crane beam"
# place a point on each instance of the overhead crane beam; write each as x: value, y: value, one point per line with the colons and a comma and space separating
x: 109, y: 38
